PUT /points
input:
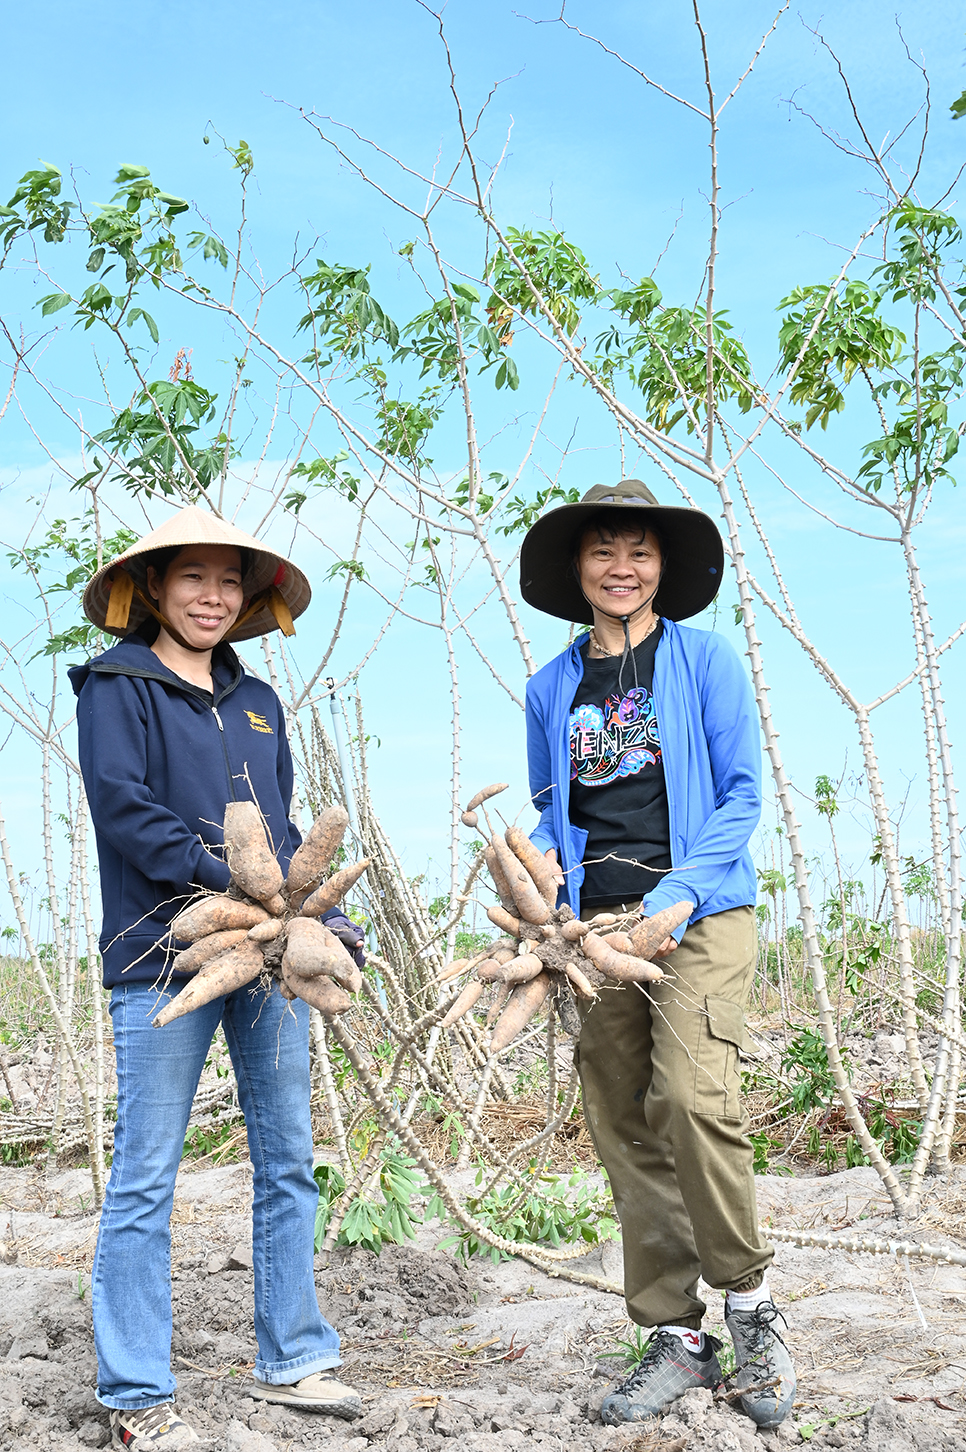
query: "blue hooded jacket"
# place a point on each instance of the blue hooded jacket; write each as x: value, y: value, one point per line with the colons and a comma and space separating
x: 711, y: 750
x: 161, y: 758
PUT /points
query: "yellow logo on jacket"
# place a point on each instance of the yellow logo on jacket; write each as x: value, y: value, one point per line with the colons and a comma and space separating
x: 258, y: 723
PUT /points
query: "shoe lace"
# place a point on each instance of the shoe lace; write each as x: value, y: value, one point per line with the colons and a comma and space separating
x: 146, y: 1420
x: 660, y: 1346
x: 763, y: 1332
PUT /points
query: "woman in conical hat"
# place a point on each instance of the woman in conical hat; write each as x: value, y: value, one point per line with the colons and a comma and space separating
x: 171, y: 728
x: 645, y: 766
x: 118, y: 598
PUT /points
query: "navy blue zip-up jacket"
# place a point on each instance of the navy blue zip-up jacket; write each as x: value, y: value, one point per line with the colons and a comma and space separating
x: 161, y: 758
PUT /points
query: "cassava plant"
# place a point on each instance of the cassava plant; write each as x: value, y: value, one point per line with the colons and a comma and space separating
x: 363, y: 379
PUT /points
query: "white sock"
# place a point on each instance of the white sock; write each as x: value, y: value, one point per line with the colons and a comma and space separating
x: 747, y: 1300
x: 693, y: 1340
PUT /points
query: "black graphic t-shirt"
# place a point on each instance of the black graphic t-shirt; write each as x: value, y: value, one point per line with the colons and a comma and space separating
x: 617, y: 791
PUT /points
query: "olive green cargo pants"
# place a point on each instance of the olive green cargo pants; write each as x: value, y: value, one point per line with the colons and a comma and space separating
x: 660, y: 1074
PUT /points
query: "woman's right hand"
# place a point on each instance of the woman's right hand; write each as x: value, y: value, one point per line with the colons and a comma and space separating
x: 551, y: 856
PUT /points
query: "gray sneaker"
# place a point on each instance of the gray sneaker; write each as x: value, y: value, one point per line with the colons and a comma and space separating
x: 765, y: 1372
x: 665, y: 1372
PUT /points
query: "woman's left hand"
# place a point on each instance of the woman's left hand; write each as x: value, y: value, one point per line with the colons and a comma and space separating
x: 652, y: 939
x: 348, y: 933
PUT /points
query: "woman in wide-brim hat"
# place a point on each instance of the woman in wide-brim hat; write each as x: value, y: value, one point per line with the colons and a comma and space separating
x: 171, y: 728
x: 645, y: 764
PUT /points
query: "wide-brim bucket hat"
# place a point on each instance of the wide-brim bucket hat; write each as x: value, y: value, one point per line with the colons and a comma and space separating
x: 276, y: 591
x: 693, y: 556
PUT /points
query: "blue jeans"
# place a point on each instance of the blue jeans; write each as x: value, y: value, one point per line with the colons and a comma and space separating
x: 157, y: 1074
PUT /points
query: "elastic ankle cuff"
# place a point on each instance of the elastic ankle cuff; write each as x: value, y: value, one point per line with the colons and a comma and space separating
x: 751, y: 1283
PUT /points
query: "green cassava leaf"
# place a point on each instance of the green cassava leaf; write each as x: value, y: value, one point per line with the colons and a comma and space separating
x: 54, y: 301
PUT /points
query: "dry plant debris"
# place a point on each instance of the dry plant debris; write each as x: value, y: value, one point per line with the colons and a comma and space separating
x: 267, y: 924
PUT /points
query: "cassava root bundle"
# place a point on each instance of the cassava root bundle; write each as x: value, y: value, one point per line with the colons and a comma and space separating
x: 547, y: 953
x: 273, y: 928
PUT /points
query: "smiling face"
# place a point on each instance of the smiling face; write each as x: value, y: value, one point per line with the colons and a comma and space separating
x: 200, y: 593
x: 619, y: 572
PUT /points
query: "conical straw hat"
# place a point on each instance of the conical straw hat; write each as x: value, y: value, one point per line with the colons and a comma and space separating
x: 276, y: 591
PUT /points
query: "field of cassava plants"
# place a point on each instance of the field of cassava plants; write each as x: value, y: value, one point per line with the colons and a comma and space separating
x: 398, y: 419
x: 421, y: 1226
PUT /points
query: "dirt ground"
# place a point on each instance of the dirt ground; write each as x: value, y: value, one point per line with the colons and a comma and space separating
x: 498, y: 1356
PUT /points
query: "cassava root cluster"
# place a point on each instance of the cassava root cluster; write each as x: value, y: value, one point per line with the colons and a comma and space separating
x: 546, y: 951
x: 268, y: 922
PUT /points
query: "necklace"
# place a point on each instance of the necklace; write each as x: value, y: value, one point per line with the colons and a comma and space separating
x: 615, y: 653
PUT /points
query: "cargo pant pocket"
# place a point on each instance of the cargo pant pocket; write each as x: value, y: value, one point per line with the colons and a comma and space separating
x: 717, y: 1079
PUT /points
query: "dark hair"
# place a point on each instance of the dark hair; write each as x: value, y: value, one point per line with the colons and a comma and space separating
x: 621, y: 522
x: 160, y: 560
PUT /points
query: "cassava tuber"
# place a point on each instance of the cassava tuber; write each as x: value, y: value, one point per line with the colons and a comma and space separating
x: 219, y: 977
x: 250, y: 859
x: 311, y: 861
x: 215, y: 915
x: 544, y: 873
x: 200, y: 952
x: 334, y: 890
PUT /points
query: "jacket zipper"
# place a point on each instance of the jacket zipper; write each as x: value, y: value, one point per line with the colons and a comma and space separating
x: 224, y: 747
x: 668, y: 789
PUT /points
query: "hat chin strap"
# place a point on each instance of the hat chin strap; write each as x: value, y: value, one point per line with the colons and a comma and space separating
x: 623, y: 616
x: 625, y: 620
x: 165, y: 623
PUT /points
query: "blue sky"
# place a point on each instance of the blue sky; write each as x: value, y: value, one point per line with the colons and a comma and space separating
x: 617, y: 166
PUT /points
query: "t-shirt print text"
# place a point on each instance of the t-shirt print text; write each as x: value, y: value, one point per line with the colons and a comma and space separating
x: 258, y: 723
x: 619, y: 740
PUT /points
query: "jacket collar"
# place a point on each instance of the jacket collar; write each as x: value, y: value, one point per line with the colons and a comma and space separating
x: 134, y: 657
